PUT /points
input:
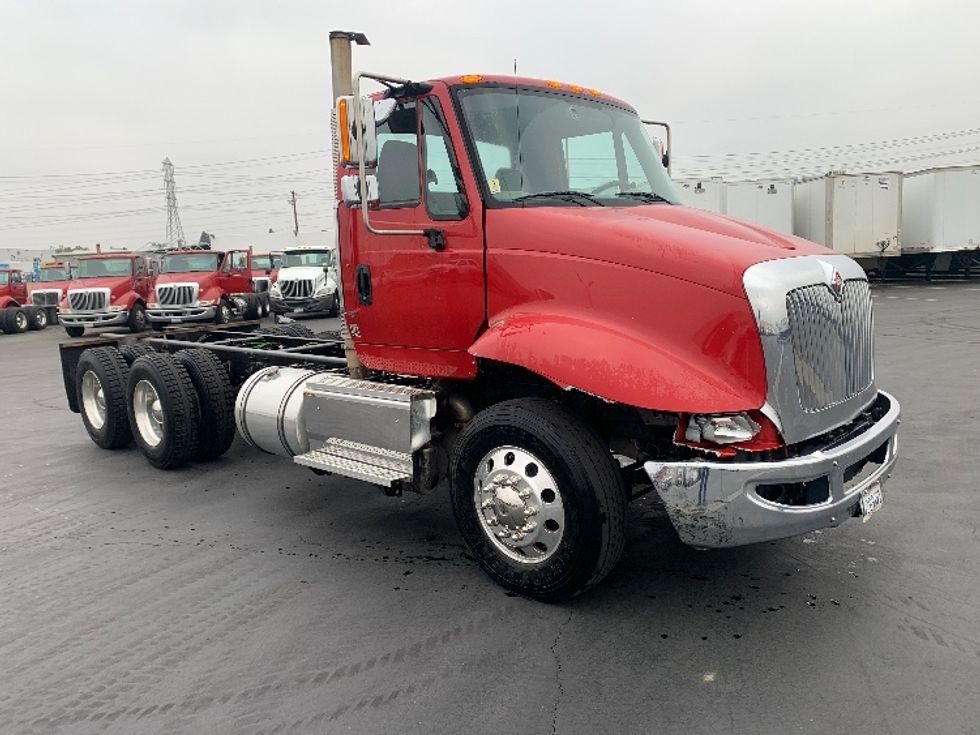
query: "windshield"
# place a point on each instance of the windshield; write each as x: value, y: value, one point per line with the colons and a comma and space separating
x: 48, y: 275
x: 102, y: 267
x: 314, y: 258
x: 191, y: 263
x: 533, y: 142
x: 4, y: 278
x: 265, y: 262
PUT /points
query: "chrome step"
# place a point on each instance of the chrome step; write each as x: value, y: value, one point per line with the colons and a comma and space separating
x: 359, y: 461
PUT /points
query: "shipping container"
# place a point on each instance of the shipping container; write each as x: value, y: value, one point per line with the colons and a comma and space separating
x: 706, y: 194
x: 941, y: 210
x: 768, y: 203
x: 855, y: 214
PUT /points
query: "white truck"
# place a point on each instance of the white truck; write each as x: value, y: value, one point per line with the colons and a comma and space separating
x: 307, y: 283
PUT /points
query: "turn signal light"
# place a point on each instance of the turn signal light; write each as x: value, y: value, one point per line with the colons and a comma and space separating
x: 343, y: 125
x: 471, y: 78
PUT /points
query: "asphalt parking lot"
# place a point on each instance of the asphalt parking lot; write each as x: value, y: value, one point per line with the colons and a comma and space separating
x: 251, y: 596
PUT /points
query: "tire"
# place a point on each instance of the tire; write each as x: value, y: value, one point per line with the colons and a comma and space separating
x: 579, y: 533
x: 297, y: 330
x: 251, y: 307
x: 216, y: 397
x: 335, y: 308
x: 14, y: 320
x: 52, y: 315
x: 222, y: 313
x: 131, y: 350
x: 75, y: 331
x: 137, y: 318
x: 164, y: 414
x: 266, y: 307
x: 102, y: 401
x: 37, y: 318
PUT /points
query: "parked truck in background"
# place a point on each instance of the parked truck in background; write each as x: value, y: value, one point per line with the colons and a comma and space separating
x: 48, y: 292
x: 108, y: 290
x: 530, y: 316
x: 17, y: 314
x: 203, y: 286
x: 306, y: 283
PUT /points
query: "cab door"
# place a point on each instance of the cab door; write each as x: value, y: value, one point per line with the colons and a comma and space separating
x: 18, y: 288
x: 237, y: 272
x: 418, y: 291
x: 142, y: 281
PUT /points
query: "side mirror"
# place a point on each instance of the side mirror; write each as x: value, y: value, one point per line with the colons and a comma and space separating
x: 350, y: 189
x: 431, y: 177
x: 355, y: 113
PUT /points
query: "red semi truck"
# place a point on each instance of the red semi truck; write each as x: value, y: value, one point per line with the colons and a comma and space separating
x: 17, y: 314
x: 108, y: 290
x: 203, y: 286
x: 530, y: 316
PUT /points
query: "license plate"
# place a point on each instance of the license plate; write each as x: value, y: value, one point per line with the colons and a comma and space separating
x: 871, y: 499
x: 300, y: 309
x: 175, y: 320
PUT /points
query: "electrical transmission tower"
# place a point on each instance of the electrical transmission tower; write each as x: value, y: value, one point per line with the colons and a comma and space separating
x: 175, y: 232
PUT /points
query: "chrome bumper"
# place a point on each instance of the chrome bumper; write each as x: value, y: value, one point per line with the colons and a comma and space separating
x: 716, y: 504
x: 179, y: 314
x: 92, y: 319
x: 302, y: 306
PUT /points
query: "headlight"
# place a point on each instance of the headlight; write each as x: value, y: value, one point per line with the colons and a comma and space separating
x: 321, y: 291
x: 275, y: 291
x: 117, y: 308
x: 153, y: 305
x: 727, y: 429
x: 204, y: 302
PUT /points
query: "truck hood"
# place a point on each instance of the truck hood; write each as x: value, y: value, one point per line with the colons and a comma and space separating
x: 117, y: 285
x: 688, y: 244
x: 301, y: 273
x: 50, y: 286
x: 204, y: 280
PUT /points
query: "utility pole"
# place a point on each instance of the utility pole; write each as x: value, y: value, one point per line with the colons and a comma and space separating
x: 175, y: 231
x: 292, y: 200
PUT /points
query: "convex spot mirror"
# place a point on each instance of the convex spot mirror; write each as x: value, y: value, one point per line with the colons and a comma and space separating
x: 350, y: 189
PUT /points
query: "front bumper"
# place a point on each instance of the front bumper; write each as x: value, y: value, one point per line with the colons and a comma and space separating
x: 302, y: 306
x: 716, y: 504
x: 181, y: 314
x: 93, y: 318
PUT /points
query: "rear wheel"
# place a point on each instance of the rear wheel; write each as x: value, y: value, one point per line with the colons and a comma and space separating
x: 538, y: 499
x: 216, y: 397
x: 37, y: 318
x: 130, y: 351
x: 137, y: 318
x: 13, y: 320
x: 75, y: 331
x: 164, y: 414
x: 251, y: 307
x: 100, y: 390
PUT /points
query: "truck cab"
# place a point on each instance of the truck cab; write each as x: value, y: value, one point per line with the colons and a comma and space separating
x: 17, y: 314
x: 108, y: 290
x: 306, y: 283
x: 202, y: 285
x: 265, y: 270
x: 13, y: 288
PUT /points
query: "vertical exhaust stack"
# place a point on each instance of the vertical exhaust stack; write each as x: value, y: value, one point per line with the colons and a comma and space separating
x: 342, y: 80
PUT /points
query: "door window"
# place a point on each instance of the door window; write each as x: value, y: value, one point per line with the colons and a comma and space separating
x: 443, y: 190
x: 398, y: 158
x: 238, y: 260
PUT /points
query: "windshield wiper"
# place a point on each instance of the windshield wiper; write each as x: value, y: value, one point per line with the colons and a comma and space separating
x: 567, y: 196
x: 647, y: 196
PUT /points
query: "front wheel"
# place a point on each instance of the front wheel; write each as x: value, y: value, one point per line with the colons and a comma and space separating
x: 538, y: 499
x: 222, y: 314
x: 137, y: 318
x: 335, y: 306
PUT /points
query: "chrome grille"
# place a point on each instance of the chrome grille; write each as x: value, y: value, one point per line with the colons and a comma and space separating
x: 296, y: 289
x: 46, y: 298
x: 832, y: 342
x: 88, y: 300
x: 177, y: 294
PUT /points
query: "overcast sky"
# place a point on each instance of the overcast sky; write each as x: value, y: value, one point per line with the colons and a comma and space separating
x: 94, y: 94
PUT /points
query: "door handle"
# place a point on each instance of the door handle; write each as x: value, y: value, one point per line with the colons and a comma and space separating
x: 365, y: 294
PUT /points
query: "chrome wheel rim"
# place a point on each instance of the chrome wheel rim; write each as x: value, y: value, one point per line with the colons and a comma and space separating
x: 42, y: 318
x: 519, y: 505
x: 148, y: 413
x: 93, y: 400
x: 21, y: 320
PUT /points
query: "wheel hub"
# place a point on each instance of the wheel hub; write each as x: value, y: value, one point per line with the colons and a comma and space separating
x: 519, y: 507
x: 148, y: 412
x: 93, y: 400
